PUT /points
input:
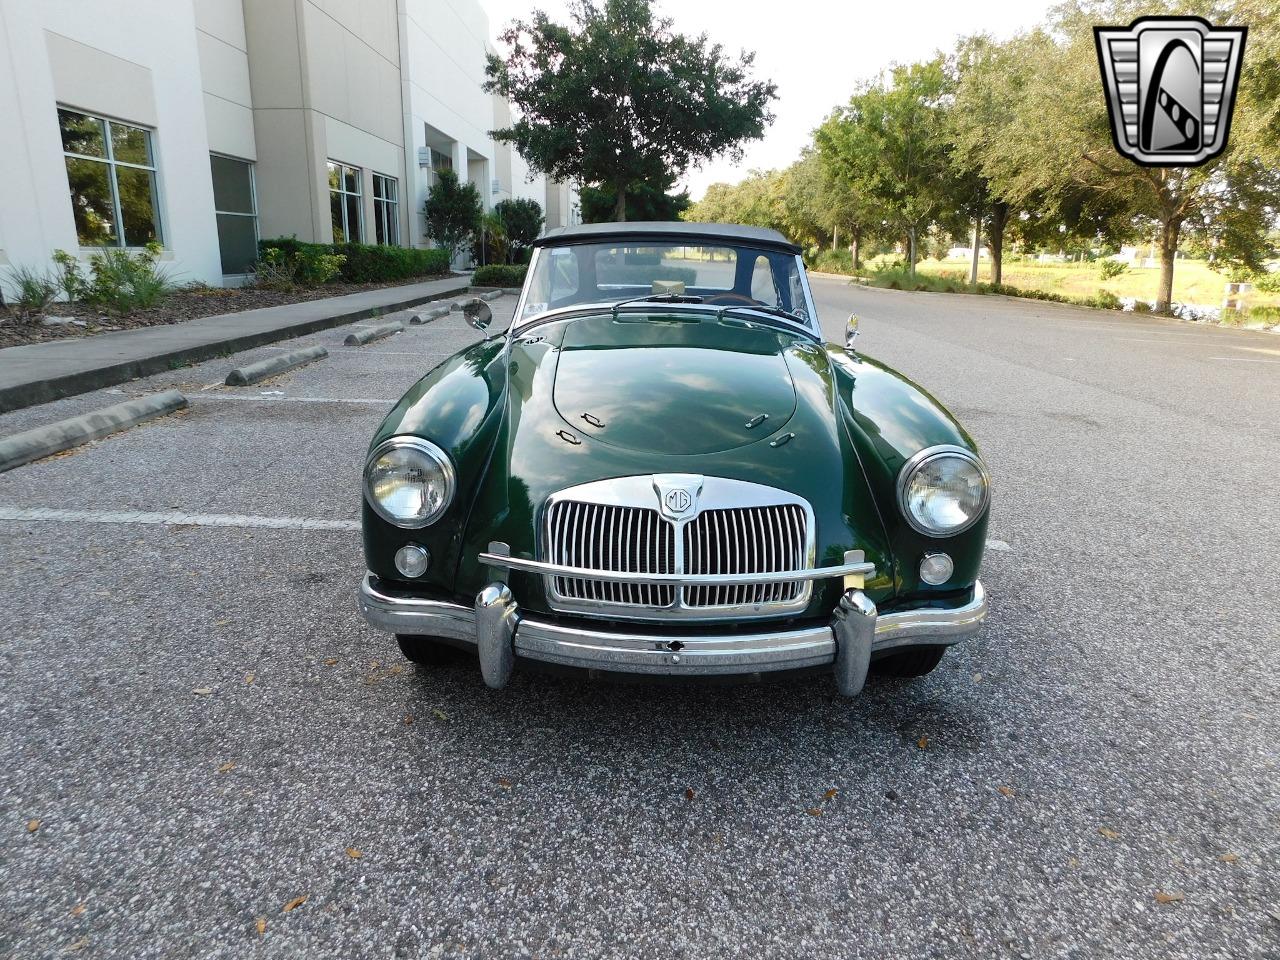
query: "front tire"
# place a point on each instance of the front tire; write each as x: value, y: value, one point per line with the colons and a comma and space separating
x: 915, y: 662
x: 427, y: 651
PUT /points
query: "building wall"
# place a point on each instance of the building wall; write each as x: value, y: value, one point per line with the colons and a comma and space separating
x: 284, y: 84
x: 326, y: 85
x: 445, y: 42
x: 129, y: 60
x: 224, y: 76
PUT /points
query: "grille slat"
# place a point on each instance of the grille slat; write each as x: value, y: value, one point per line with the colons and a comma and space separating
x: 746, y: 540
x: 717, y: 541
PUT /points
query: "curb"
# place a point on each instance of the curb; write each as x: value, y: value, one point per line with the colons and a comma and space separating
x: 31, y: 393
x: 45, y: 441
x: 253, y: 372
x: 427, y: 316
x: 369, y: 334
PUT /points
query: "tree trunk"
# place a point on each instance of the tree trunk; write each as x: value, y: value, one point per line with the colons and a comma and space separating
x: 853, y: 247
x: 1168, y: 253
x: 835, y: 239
x: 620, y: 205
x: 977, y: 246
x: 995, y: 236
x: 911, y: 246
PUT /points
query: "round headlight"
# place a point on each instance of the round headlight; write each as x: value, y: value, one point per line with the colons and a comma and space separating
x: 409, y: 481
x: 943, y: 490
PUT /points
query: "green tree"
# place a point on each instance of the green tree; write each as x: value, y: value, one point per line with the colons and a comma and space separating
x: 888, y: 147
x: 649, y: 200
x: 522, y: 221
x: 756, y: 201
x: 454, y: 211
x: 617, y: 97
x: 1057, y: 150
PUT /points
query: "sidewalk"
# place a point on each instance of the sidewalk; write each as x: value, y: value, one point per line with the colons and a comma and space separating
x: 40, y: 372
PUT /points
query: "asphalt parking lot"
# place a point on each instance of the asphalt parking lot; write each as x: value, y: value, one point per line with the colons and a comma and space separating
x: 207, y: 753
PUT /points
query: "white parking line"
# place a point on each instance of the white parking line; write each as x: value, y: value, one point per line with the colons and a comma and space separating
x: 1244, y: 359
x: 174, y: 518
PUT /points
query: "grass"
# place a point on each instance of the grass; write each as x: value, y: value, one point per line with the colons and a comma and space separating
x: 1193, y: 280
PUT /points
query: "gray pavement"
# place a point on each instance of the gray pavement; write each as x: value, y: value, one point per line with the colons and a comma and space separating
x: 202, y: 725
x: 41, y: 372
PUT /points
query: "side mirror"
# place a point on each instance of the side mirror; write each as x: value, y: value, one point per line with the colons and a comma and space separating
x: 851, y: 332
x: 478, y: 314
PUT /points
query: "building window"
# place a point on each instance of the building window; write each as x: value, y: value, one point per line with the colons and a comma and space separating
x: 236, y: 207
x: 439, y: 161
x: 111, y: 171
x: 386, y: 209
x: 344, y: 203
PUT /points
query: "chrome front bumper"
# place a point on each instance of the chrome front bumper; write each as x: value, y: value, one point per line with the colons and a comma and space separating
x: 500, y: 633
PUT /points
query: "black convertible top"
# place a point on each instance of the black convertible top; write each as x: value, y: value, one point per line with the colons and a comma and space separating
x: 676, y: 232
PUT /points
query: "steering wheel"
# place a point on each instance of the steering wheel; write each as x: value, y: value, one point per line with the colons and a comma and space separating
x: 726, y: 299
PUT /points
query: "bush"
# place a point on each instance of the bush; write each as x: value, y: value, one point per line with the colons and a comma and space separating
x: 499, y: 275
x: 33, y: 290
x: 1108, y: 269
x: 360, y: 263
x: 522, y: 220
x: 898, y: 277
x: 454, y: 210
x: 834, y: 261
x: 122, y: 281
x: 1106, y: 300
x: 307, y: 265
x: 70, y: 278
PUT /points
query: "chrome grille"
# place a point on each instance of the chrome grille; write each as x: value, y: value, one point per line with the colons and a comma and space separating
x: 606, y: 537
x: 735, y: 527
x: 745, y: 540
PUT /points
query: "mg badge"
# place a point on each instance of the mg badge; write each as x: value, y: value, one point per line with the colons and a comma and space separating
x: 677, y: 493
x: 1170, y: 85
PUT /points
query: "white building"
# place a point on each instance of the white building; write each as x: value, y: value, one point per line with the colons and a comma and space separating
x: 206, y: 124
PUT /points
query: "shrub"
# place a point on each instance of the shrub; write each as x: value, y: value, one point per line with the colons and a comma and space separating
x: 303, y: 265
x: 833, y: 261
x: 359, y: 263
x: 1108, y: 269
x: 453, y: 210
x: 898, y: 277
x: 122, y: 281
x: 522, y: 219
x: 1106, y: 300
x: 70, y: 277
x: 33, y: 290
x: 499, y: 275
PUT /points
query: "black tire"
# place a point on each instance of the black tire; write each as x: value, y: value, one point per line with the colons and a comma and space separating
x: 915, y: 662
x: 427, y: 651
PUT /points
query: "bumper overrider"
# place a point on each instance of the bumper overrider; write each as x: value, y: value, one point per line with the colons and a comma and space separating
x: 501, y: 633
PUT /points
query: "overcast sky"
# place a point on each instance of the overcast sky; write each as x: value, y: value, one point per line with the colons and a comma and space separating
x: 815, y: 52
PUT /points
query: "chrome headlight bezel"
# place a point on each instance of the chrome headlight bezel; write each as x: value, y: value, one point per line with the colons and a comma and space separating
x: 430, y: 452
x: 928, y: 456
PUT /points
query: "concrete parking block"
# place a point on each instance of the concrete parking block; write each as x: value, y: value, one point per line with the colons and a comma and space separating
x: 426, y: 316
x: 253, y: 372
x: 45, y: 441
x: 369, y: 334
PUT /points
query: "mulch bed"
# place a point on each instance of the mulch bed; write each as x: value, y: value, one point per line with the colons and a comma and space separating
x: 186, y: 304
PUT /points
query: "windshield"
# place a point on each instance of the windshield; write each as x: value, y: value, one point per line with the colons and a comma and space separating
x: 722, y: 275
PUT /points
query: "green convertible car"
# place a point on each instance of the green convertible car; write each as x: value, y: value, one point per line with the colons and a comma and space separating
x: 661, y: 468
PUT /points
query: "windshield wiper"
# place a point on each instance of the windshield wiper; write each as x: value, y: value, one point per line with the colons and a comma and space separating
x: 763, y: 308
x: 658, y: 298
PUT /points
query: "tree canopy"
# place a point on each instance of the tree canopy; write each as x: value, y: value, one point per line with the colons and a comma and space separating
x: 616, y: 97
x: 522, y: 221
x: 888, y: 146
x: 454, y: 211
x: 646, y: 200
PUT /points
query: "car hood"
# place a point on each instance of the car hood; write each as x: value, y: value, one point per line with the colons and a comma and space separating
x: 672, y: 385
x: 802, y: 448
